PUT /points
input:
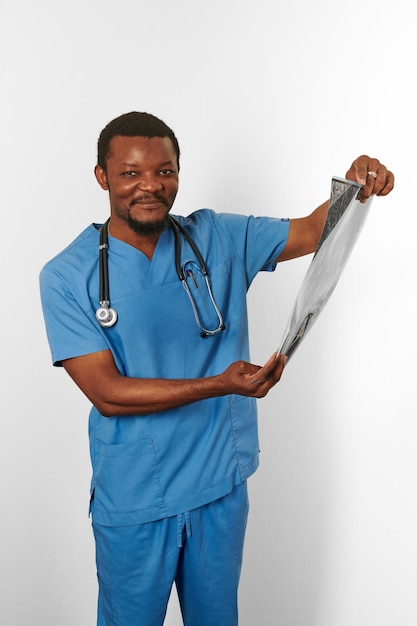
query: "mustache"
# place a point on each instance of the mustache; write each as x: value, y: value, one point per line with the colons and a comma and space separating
x: 148, y: 197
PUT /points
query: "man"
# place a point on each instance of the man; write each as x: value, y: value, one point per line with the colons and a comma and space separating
x: 165, y: 363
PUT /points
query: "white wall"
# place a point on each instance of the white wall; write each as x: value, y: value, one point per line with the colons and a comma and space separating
x: 269, y: 100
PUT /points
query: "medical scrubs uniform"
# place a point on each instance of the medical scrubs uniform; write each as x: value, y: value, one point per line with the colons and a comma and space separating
x: 164, y: 467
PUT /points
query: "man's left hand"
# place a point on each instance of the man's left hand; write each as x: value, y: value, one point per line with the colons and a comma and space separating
x: 374, y: 177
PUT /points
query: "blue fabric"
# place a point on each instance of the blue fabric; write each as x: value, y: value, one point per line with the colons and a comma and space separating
x: 150, y: 467
x: 200, y: 550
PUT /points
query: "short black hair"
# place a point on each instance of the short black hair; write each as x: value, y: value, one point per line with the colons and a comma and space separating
x: 133, y: 124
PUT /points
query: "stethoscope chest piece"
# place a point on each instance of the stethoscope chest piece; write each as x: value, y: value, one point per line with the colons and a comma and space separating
x: 106, y: 316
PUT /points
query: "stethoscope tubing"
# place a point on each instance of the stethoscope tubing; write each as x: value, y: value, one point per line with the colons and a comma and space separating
x: 107, y: 316
x: 179, y: 227
x: 104, y: 264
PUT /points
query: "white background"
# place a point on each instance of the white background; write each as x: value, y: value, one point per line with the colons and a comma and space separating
x: 269, y: 100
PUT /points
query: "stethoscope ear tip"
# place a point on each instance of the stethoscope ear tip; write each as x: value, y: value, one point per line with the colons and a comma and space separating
x: 206, y: 333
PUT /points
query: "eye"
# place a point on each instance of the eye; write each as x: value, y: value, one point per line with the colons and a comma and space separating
x: 166, y: 172
x: 129, y: 173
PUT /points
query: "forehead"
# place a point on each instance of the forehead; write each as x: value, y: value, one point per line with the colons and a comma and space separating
x: 140, y: 149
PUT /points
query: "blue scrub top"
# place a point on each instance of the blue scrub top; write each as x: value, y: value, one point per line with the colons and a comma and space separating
x: 150, y: 467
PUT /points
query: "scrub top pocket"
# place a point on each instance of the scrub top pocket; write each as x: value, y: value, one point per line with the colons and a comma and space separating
x: 126, y: 478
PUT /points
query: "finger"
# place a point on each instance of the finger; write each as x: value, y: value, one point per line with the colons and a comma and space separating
x: 374, y: 177
x: 367, y: 172
x: 265, y: 371
x: 379, y: 182
x: 358, y: 171
x: 375, y: 180
x: 388, y: 184
x: 273, y: 368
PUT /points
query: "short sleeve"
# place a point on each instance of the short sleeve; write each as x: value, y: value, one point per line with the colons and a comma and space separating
x: 71, y: 331
x: 258, y: 240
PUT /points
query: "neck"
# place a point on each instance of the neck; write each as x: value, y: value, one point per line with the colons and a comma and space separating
x: 145, y: 242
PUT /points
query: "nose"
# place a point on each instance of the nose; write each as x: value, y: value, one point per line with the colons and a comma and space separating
x: 150, y: 183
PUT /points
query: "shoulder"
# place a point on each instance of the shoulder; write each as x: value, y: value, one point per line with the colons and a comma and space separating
x: 81, y: 248
x: 206, y: 221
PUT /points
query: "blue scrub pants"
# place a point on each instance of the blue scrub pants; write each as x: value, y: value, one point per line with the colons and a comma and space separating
x: 201, y: 551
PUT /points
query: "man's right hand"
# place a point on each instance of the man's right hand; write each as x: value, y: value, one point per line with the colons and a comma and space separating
x: 247, y: 379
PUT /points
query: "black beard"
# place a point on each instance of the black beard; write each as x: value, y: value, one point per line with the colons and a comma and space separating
x: 156, y: 227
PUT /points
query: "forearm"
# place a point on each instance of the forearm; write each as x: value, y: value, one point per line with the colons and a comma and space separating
x: 317, y: 220
x: 305, y: 233
x: 141, y: 396
x: 113, y: 394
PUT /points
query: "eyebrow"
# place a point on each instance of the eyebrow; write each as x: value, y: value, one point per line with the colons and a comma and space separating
x: 171, y: 163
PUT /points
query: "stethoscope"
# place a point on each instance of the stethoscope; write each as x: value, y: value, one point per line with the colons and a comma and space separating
x: 107, y: 315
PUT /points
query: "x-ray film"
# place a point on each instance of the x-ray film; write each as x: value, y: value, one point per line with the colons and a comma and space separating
x: 345, y: 218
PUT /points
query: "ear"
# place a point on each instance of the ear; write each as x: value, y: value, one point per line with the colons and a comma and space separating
x: 101, y: 177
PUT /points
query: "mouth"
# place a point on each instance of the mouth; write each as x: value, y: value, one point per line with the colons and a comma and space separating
x: 149, y: 203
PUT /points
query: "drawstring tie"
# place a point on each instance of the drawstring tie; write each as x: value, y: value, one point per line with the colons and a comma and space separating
x: 183, y: 522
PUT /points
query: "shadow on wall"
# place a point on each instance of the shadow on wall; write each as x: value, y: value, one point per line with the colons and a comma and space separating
x: 290, y: 495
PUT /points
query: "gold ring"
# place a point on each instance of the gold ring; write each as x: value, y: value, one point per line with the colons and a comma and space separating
x: 372, y: 173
